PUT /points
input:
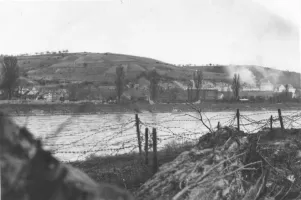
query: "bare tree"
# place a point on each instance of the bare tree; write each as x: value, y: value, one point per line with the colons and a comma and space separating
x: 286, y: 90
x: 9, y: 75
x: 198, y: 80
x: 236, y: 86
x: 120, y: 76
x: 154, y: 81
x: 73, y: 92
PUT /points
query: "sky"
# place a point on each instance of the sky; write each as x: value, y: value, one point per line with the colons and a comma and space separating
x: 250, y: 32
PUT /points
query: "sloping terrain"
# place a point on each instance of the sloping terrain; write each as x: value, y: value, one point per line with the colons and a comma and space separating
x: 94, y: 67
x: 100, y: 69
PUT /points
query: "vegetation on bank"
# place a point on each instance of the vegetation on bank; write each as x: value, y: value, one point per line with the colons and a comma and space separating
x: 91, y: 108
x: 128, y: 170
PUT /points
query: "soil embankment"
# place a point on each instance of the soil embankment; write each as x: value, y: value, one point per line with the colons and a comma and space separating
x: 230, y: 164
x: 97, y: 108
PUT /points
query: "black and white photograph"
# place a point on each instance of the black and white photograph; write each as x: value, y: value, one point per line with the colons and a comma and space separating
x: 150, y: 99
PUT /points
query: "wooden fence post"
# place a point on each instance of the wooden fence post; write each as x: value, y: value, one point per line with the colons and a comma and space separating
x: 280, y: 118
x: 155, y: 160
x: 271, y: 122
x: 237, y: 116
x: 146, y: 146
x: 138, y: 133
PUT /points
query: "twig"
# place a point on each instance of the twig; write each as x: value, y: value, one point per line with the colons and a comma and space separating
x: 179, y: 194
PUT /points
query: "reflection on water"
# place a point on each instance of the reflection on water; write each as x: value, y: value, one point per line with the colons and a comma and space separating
x: 116, y: 133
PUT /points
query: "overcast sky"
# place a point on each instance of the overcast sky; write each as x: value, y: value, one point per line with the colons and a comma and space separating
x: 253, y: 32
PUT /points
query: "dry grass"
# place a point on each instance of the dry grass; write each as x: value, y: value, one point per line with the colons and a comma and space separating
x: 128, y: 170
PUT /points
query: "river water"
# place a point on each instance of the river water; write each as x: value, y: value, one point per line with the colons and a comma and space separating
x: 77, y: 137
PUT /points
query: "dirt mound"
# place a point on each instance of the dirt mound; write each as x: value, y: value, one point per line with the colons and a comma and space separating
x: 230, y: 164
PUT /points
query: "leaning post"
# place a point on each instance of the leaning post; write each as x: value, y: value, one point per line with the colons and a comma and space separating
x: 138, y: 132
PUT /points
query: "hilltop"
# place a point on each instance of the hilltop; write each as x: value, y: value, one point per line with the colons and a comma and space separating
x: 99, y: 68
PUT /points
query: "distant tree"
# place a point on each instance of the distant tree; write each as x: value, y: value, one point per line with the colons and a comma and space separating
x: 9, y: 75
x: 286, y: 90
x: 119, y: 82
x: 154, y: 81
x: 189, y: 91
x: 174, y: 92
x: 258, y: 82
x: 73, y: 92
x: 198, y: 80
x: 236, y: 86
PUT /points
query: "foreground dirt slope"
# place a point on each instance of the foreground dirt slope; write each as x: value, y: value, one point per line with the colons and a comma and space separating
x: 30, y: 173
x: 232, y: 165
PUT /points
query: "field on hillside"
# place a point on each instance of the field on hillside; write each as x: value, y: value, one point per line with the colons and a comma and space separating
x: 100, y: 68
x: 93, y: 67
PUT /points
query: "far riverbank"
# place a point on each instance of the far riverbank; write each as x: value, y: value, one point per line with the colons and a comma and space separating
x: 97, y: 108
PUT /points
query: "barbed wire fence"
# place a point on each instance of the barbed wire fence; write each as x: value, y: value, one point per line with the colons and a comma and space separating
x: 109, y: 138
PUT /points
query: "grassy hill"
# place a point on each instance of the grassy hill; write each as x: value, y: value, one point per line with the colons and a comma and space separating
x: 94, y: 67
x: 99, y: 69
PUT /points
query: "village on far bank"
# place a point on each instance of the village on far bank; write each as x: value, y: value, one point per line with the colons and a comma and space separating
x: 168, y: 92
x: 76, y: 77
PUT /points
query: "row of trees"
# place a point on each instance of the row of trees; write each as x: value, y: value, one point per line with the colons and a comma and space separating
x: 152, y: 76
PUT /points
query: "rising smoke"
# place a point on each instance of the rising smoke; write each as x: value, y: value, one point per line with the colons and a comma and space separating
x: 246, y: 75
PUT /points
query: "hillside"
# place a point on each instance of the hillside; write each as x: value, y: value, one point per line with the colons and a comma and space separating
x: 99, y: 68
x: 95, y: 67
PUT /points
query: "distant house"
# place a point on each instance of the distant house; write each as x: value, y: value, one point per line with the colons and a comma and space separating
x: 266, y: 85
x: 291, y: 88
x: 297, y: 93
x: 279, y: 88
x: 54, y: 94
x: 221, y: 86
x: 205, y: 94
x: 143, y: 81
x: 136, y: 94
x: 282, y: 89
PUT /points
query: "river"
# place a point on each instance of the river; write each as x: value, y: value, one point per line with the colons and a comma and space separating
x: 77, y: 137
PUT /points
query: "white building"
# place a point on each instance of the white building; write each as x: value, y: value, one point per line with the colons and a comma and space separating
x: 266, y: 85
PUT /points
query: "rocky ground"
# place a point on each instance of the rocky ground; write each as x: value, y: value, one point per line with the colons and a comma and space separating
x: 230, y: 164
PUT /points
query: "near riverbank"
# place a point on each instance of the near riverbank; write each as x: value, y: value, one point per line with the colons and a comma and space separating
x: 23, y: 108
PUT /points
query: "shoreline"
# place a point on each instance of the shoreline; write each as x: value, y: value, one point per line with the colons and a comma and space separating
x: 92, y: 108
